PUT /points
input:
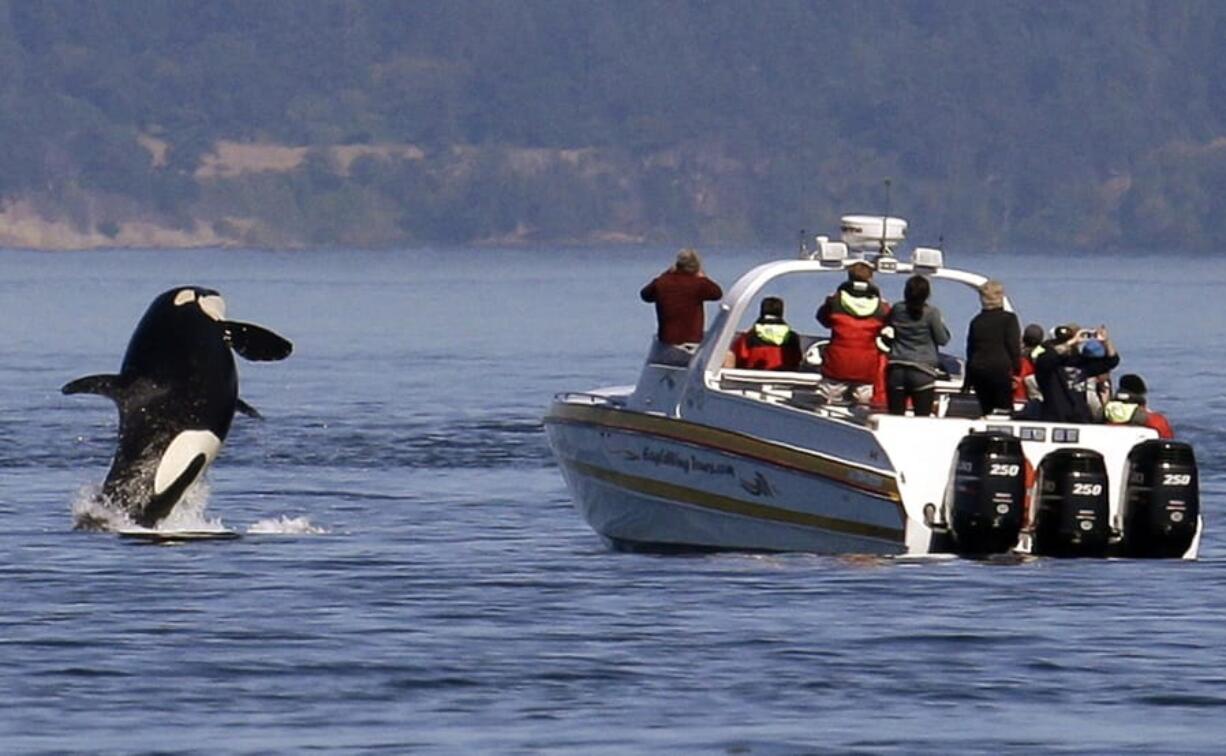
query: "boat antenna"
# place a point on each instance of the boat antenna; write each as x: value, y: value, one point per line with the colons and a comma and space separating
x: 886, y: 219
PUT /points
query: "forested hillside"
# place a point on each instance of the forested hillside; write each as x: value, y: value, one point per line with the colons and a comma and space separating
x: 389, y: 123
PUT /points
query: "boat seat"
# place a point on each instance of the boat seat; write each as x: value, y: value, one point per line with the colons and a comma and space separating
x: 963, y: 405
x: 745, y: 378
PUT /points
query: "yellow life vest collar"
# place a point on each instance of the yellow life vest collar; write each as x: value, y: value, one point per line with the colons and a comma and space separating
x: 861, y: 307
x: 1120, y: 413
x: 772, y: 333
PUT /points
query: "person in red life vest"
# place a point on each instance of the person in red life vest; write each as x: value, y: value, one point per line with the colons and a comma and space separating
x: 1129, y: 407
x: 678, y: 294
x: 1025, y: 387
x: 855, y: 314
x: 771, y: 344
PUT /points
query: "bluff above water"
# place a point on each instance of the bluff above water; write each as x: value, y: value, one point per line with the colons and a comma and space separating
x: 378, y: 124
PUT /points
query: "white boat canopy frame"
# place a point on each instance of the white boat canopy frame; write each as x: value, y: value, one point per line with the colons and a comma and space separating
x: 741, y: 295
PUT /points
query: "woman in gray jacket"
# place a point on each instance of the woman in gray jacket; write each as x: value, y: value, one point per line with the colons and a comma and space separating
x: 918, y: 331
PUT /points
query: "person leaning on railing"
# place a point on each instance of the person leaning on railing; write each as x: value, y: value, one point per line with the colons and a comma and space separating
x: 1129, y: 406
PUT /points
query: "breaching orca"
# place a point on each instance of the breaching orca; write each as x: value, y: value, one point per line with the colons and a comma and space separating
x: 177, y: 391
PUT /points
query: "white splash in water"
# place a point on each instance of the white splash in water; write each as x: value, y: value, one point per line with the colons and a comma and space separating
x: 189, y: 513
x: 286, y: 526
x: 92, y: 511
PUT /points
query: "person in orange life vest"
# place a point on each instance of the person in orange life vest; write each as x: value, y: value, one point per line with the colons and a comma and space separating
x: 771, y: 344
x: 855, y: 314
x: 1025, y: 387
x: 1129, y: 407
x: 678, y: 294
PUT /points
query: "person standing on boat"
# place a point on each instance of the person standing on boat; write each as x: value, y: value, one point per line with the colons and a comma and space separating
x: 1061, y: 370
x: 1025, y: 388
x: 1130, y: 407
x: 918, y: 332
x: 993, y: 350
x: 771, y: 344
x: 855, y: 315
x: 679, y: 294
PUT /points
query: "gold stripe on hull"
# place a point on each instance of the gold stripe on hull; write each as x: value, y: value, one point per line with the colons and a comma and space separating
x: 730, y: 442
x: 726, y: 504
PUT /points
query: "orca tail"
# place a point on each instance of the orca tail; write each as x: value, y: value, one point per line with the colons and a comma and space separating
x: 256, y: 343
x: 110, y: 386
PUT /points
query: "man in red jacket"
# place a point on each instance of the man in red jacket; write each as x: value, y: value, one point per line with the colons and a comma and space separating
x: 855, y: 314
x: 678, y: 294
x: 770, y: 344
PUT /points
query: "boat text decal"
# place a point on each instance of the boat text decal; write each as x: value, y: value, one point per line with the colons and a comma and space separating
x: 729, y: 442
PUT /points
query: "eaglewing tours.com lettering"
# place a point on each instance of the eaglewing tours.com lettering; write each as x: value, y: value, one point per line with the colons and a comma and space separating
x: 691, y: 463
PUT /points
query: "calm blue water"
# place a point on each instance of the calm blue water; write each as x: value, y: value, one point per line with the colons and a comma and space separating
x: 414, y: 577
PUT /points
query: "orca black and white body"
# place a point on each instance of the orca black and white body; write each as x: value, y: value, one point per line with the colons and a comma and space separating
x: 177, y: 391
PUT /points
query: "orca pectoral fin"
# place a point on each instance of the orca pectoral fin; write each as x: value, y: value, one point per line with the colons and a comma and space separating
x: 255, y: 343
x: 248, y: 410
x: 109, y: 386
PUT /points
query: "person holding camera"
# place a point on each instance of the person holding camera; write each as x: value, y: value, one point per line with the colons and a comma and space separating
x: 1068, y: 358
x: 678, y: 294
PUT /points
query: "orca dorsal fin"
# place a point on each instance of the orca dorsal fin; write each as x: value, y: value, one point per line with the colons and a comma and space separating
x: 110, y: 386
x: 256, y: 343
x: 248, y: 410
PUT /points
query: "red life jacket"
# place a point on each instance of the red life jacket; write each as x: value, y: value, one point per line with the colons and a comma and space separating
x: 852, y: 354
x: 1019, y: 380
x: 1158, y: 422
x: 754, y: 349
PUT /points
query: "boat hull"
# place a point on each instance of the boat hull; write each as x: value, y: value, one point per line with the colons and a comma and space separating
x: 650, y: 482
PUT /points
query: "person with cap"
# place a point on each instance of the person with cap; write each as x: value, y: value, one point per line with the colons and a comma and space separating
x: 993, y: 350
x: 1025, y: 388
x: 770, y: 344
x: 1062, y: 367
x: 918, y: 331
x: 1130, y: 407
x: 855, y: 315
x: 679, y: 294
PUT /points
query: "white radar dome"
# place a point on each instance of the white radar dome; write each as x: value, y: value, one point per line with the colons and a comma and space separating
x: 867, y: 232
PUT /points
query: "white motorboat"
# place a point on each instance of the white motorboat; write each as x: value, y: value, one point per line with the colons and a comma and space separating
x: 702, y: 456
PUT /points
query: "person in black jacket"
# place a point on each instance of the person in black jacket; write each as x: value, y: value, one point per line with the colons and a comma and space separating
x: 993, y: 350
x: 1061, y: 369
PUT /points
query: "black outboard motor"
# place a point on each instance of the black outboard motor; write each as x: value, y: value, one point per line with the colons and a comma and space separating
x: 1162, y: 499
x: 1072, y: 518
x: 989, y: 490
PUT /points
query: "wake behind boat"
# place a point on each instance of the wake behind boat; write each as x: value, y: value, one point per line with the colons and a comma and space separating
x: 698, y: 455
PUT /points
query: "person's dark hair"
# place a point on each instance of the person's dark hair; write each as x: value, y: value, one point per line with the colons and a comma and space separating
x: 1133, y: 384
x: 772, y: 306
x: 1032, y: 336
x: 915, y: 294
